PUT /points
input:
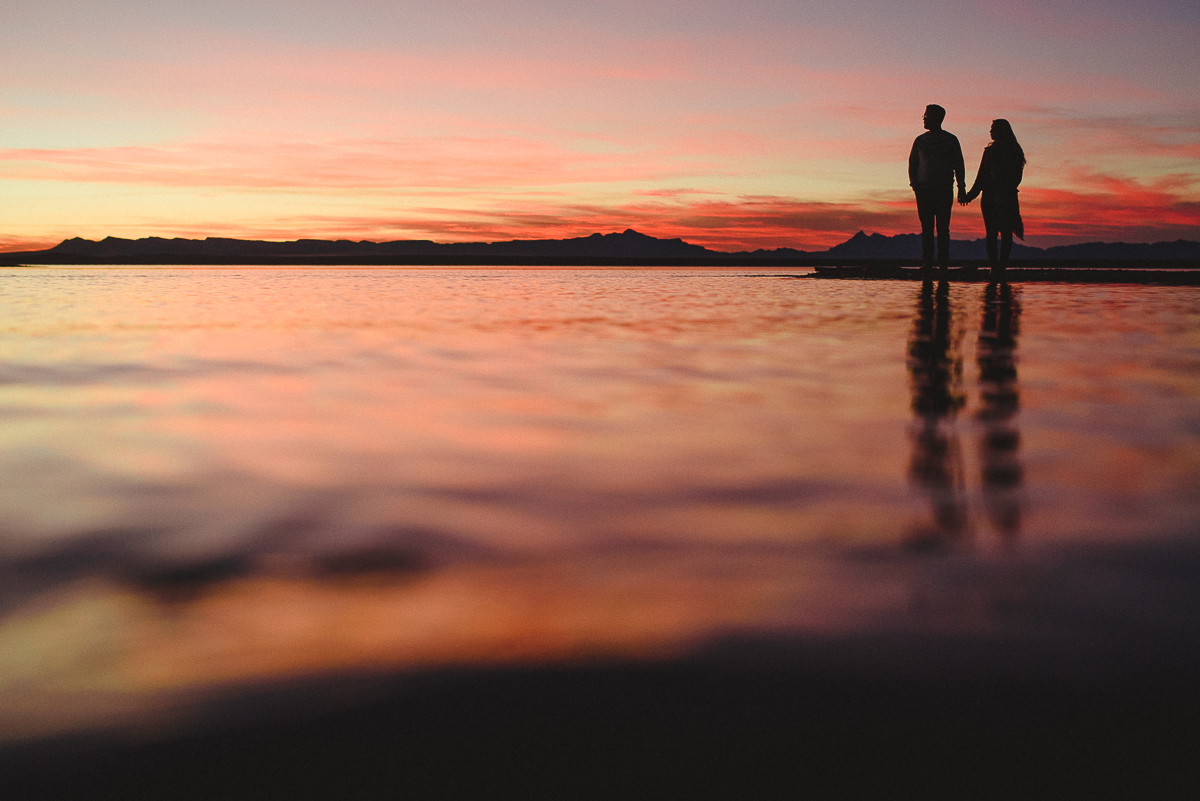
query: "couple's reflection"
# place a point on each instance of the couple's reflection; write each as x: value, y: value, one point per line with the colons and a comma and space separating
x: 935, y: 365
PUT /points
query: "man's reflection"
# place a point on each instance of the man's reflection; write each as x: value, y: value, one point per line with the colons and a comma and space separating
x: 935, y: 368
x: 999, y: 401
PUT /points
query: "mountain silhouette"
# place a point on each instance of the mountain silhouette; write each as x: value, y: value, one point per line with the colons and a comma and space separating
x: 628, y: 246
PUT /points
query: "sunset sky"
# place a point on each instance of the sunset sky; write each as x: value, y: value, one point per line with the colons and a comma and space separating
x: 757, y: 123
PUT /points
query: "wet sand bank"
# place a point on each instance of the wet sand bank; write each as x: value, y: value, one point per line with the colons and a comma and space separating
x: 838, y: 719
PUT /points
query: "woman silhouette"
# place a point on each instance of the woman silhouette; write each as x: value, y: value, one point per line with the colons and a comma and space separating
x: 1000, y: 172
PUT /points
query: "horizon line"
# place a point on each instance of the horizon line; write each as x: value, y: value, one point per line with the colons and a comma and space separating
x: 297, y: 240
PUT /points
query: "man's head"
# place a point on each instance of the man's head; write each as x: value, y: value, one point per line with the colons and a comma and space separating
x: 934, y: 114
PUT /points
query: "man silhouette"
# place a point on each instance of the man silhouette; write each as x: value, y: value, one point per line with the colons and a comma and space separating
x: 935, y: 163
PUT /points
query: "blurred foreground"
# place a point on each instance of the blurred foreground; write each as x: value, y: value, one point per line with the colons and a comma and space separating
x: 376, y: 533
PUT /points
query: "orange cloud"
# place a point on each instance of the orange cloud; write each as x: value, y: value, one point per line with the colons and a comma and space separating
x: 18, y: 244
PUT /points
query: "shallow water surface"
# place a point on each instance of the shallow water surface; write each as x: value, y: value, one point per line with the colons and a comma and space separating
x: 214, y: 477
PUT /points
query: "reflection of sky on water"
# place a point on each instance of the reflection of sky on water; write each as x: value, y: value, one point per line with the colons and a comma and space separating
x: 215, y: 477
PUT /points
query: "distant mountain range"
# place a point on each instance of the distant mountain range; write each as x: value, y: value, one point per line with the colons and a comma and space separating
x: 908, y: 246
x: 628, y: 245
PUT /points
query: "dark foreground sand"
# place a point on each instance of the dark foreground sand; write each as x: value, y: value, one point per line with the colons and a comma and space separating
x: 958, y: 718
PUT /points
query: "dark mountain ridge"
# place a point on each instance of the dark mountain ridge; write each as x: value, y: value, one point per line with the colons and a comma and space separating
x: 908, y: 246
x: 626, y: 245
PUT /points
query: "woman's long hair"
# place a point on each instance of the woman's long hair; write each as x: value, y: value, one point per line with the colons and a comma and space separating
x: 1002, y: 135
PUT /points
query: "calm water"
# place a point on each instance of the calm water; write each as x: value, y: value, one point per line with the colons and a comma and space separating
x: 211, y: 478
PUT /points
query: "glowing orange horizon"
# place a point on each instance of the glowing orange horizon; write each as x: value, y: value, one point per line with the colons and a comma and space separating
x: 1127, y: 212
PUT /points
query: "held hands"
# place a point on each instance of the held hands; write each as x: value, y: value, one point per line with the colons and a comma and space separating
x: 963, y: 200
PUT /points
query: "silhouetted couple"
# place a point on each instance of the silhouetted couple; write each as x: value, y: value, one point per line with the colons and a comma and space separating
x: 936, y: 164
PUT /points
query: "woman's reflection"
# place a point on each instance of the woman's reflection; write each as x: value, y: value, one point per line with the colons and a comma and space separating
x: 999, y: 401
x: 935, y: 368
